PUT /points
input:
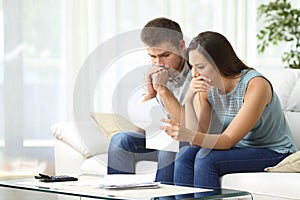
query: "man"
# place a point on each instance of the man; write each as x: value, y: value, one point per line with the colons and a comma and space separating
x: 163, y: 39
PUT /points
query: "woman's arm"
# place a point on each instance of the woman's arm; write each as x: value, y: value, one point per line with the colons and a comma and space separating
x: 190, y: 119
x: 197, y: 108
x: 258, y: 95
x: 204, y: 109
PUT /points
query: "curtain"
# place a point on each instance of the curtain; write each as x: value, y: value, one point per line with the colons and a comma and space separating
x: 32, y: 83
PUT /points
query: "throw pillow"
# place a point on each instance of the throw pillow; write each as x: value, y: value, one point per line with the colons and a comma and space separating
x: 111, y: 123
x: 67, y: 133
x: 289, y: 164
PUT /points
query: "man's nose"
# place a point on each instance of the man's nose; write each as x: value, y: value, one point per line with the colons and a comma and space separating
x: 159, y: 61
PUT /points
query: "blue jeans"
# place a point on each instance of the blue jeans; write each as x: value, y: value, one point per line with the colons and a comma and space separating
x: 200, y: 167
x: 127, y: 148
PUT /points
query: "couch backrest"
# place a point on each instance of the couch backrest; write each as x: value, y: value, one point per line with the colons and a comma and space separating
x: 286, y: 83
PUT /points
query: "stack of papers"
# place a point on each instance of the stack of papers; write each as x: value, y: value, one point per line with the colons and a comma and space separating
x: 124, y: 181
x: 131, y: 186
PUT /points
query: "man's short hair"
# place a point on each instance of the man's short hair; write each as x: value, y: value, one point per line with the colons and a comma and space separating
x: 161, y: 30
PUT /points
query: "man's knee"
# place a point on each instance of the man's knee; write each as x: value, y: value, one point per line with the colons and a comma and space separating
x: 126, y: 141
x: 120, y: 140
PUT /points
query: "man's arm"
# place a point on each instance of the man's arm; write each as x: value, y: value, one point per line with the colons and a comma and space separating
x: 170, y: 102
x: 173, y: 107
x: 148, y: 96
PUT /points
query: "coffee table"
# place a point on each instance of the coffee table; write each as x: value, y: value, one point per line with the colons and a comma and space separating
x: 87, y: 191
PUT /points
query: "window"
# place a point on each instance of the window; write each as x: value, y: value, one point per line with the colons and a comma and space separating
x: 31, y: 80
x: 1, y: 77
x: 43, y: 69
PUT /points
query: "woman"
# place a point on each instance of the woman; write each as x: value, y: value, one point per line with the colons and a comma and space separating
x: 240, y: 125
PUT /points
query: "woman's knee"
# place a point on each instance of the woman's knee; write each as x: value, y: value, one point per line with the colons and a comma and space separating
x: 206, y: 170
x: 205, y: 160
x: 185, y: 157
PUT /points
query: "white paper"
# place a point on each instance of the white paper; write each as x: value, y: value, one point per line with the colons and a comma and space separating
x: 88, y: 187
x: 125, y: 181
x: 120, y: 179
x: 147, y: 115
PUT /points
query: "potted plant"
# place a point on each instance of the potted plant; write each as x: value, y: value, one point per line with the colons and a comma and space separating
x: 281, y: 23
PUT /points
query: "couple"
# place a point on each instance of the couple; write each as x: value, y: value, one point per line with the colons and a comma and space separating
x: 225, y: 112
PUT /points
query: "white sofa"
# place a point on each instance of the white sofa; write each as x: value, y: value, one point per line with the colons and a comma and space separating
x: 76, y: 155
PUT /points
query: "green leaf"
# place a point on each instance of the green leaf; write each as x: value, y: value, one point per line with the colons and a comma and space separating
x: 281, y: 24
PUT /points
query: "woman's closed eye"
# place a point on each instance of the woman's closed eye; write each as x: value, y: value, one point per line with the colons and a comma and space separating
x: 199, y: 66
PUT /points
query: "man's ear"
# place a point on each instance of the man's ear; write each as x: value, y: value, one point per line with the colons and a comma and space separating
x: 182, y: 46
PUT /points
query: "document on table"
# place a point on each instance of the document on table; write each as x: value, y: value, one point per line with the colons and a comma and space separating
x: 147, y: 115
x: 125, y: 181
x: 119, y: 182
x: 93, y: 188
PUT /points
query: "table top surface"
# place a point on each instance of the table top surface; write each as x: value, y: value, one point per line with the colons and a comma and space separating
x: 86, y: 187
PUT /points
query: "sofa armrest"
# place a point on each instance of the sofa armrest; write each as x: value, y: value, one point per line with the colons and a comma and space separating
x: 84, y: 137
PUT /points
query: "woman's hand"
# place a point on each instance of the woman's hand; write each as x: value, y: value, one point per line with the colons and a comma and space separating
x: 176, y: 132
x: 200, y: 84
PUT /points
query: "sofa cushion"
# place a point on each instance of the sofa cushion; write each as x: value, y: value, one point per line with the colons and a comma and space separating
x: 284, y: 185
x: 293, y: 102
x: 293, y: 121
x: 289, y: 164
x: 84, y: 137
x: 282, y: 86
x: 110, y: 123
x: 66, y: 132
